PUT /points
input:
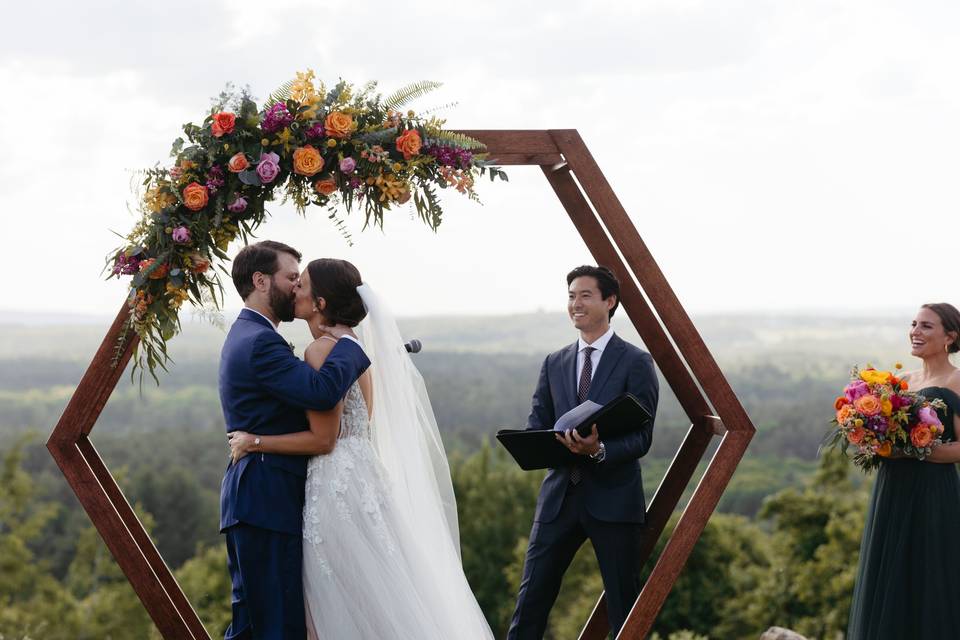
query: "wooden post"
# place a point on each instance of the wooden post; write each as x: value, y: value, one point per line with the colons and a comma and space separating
x: 663, y: 325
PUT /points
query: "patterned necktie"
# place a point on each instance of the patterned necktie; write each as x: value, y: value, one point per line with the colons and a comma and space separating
x: 583, y: 390
x: 585, y: 376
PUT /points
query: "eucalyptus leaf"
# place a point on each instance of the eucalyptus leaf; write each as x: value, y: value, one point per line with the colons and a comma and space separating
x: 250, y: 177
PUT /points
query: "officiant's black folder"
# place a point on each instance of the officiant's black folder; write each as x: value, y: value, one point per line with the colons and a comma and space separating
x: 539, y: 448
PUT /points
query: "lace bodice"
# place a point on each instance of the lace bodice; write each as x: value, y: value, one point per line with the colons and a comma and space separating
x: 355, y: 421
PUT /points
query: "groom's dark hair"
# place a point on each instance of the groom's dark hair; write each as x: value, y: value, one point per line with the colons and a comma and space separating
x: 606, y: 282
x: 260, y: 256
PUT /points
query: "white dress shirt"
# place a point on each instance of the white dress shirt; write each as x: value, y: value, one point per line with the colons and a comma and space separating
x: 599, y: 345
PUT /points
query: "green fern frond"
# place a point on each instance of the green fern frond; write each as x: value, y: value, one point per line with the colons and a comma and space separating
x: 410, y: 92
x: 280, y: 95
x: 453, y: 139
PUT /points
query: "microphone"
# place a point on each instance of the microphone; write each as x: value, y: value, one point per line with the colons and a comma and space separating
x: 414, y: 346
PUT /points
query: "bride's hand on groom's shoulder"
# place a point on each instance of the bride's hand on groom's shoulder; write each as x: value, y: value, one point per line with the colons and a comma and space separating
x: 241, y: 443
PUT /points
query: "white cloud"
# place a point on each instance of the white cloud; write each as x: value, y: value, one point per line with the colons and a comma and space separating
x: 768, y: 152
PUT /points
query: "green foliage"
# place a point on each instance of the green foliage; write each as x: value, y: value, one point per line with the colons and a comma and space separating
x: 815, y: 545
x: 495, y: 501
x: 206, y: 583
x: 408, y: 94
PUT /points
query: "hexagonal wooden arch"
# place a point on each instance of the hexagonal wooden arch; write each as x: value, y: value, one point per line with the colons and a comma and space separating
x: 661, y: 321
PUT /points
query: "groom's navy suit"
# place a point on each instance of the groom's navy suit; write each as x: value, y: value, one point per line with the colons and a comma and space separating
x: 265, y: 390
x: 606, y: 505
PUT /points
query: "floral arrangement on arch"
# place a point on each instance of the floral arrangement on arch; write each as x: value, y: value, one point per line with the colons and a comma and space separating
x: 880, y: 418
x: 337, y: 147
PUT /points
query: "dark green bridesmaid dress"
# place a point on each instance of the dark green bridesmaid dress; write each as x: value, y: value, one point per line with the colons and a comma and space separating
x: 908, y: 582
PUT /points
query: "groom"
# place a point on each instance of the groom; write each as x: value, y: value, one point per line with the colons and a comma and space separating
x: 601, y: 496
x: 265, y: 390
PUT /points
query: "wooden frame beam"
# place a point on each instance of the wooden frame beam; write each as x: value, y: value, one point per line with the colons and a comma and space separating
x: 649, y: 301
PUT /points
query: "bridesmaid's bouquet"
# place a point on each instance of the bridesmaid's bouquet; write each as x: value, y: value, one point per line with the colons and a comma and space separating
x: 880, y: 418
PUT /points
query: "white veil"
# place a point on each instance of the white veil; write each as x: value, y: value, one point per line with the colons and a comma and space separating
x: 405, y: 433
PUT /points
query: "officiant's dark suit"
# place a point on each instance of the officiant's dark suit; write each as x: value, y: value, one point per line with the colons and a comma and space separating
x: 601, y: 497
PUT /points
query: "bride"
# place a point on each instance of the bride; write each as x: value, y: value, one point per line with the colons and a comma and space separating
x: 381, y: 543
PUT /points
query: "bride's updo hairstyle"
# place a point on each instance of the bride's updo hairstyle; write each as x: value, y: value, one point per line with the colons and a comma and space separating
x: 336, y: 281
x: 950, y: 318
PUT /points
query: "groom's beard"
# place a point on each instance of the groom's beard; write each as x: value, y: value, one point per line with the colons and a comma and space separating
x: 282, y: 304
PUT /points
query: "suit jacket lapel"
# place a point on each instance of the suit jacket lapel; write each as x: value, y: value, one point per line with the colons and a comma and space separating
x: 568, y: 364
x: 253, y: 316
x: 608, y: 362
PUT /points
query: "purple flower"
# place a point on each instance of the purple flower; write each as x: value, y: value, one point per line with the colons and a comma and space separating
x: 355, y: 183
x: 855, y: 389
x: 347, y: 165
x: 215, y: 178
x: 450, y: 156
x: 877, y: 424
x: 181, y: 235
x: 268, y: 167
x: 239, y: 205
x: 928, y: 415
x: 125, y: 265
x: 316, y: 131
x: 276, y: 118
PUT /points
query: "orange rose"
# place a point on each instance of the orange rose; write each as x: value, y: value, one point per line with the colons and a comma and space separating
x: 307, y: 161
x: 223, y: 123
x: 338, y: 124
x: 408, y: 143
x: 238, y: 162
x: 904, y: 385
x: 885, y: 449
x: 868, y: 405
x: 198, y: 262
x: 845, y: 413
x: 920, y: 436
x: 839, y: 402
x: 325, y: 186
x: 855, y: 436
x: 195, y: 196
x: 157, y: 274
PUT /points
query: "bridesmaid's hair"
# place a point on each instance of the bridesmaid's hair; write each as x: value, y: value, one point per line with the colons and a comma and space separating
x: 950, y: 318
x: 336, y: 281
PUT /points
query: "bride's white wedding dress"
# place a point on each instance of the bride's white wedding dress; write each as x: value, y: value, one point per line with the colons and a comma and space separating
x: 380, y: 553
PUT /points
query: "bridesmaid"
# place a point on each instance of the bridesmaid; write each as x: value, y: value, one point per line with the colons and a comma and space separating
x: 909, y: 571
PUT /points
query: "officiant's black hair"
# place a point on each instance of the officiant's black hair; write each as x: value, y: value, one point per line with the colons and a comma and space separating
x: 336, y: 281
x: 606, y: 281
x: 260, y: 256
x: 950, y: 318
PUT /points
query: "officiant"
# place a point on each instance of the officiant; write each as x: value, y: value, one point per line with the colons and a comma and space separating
x: 600, y: 496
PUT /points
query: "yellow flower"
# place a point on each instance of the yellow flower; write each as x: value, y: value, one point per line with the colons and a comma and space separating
x: 331, y: 143
x: 390, y: 188
x: 284, y: 138
x: 886, y: 407
x: 873, y: 376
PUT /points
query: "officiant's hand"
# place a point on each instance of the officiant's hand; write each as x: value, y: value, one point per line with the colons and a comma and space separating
x: 241, y: 443
x: 580, y: 445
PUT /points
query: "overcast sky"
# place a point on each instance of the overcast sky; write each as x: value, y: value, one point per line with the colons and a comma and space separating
x: 773, y: 155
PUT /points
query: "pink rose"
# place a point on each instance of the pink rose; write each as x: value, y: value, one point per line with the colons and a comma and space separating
x: 268, y: 167
x: 181, y: 235
x: 856, y: 389
x: 928, y: 415
x: 347, y: 165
